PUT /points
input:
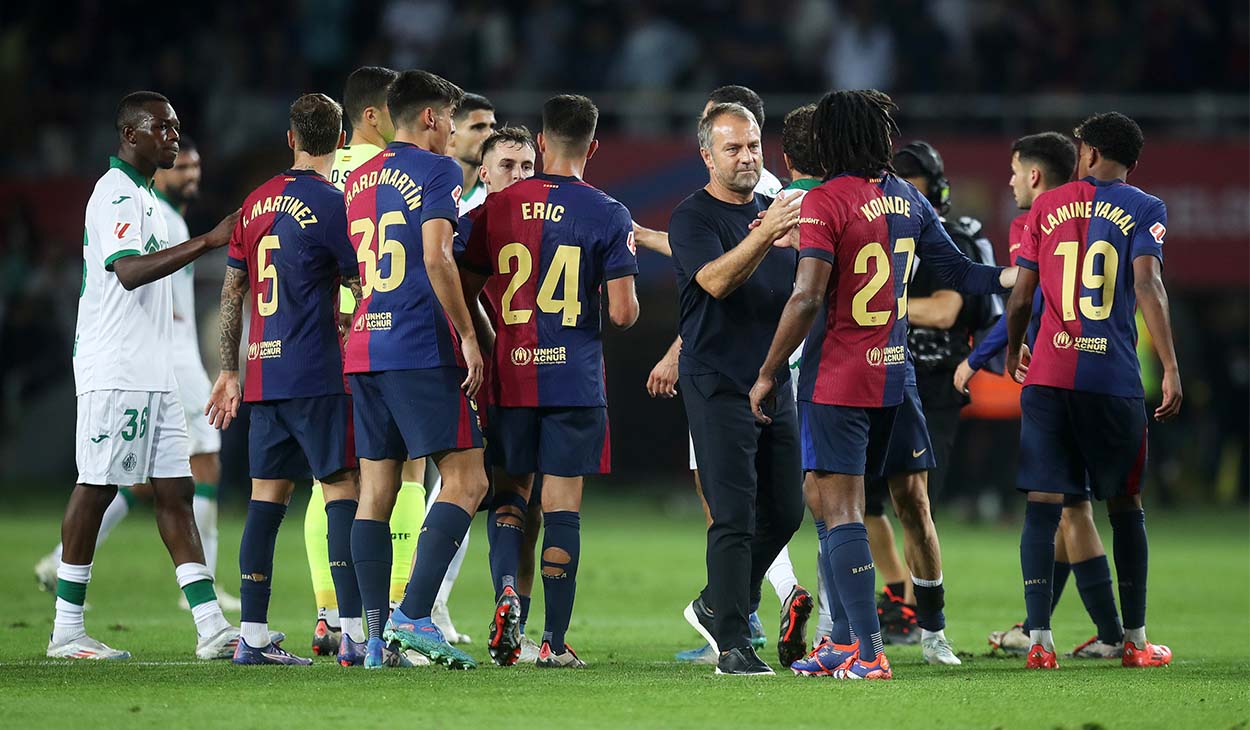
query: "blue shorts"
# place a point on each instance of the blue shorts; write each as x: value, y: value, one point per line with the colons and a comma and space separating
x: 296, y: 438
x: 562, y: 442
x: 1071, y: 438
x: 910, y: 450
x: 407, y: 414
x: 845, y: 439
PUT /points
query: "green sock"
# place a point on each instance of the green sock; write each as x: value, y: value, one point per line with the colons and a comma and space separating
x: 315, y: 529
x: 406, y: 521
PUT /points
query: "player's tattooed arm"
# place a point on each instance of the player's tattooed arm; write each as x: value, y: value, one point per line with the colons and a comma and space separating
x: 233, y: 290
x: 224, y: 400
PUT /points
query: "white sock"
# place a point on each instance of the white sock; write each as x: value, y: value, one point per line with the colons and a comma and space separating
x: 923, y: 583
x: 1137, y: 636
x: 331, y: 615
x: 208, y: 617
x: 781, y: 575
x: 925, y: 634
x: 453, y: 571
x: 255, y: 634
x: 1043, y: 637
x: 824, y: 624
x: 69, y: 624
x: 205, y: 509
x: 58, y: 550
x: 354, y: 628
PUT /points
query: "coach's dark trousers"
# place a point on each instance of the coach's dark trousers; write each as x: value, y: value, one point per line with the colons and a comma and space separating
x: 753, y: 482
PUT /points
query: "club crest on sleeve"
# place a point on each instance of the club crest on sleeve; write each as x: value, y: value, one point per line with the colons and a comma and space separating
x: 455, y: 193
x: 629, y: 241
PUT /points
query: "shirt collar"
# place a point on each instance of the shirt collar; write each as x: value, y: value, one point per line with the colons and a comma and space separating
x: 131, y: 172
x: 806, y: 183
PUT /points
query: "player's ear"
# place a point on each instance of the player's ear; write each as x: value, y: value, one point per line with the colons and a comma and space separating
x: 786, y: 159
x: 342, y: 139
x: 290, y: 138
x: 594, y: 147
x: 542, y: 144
x: 1035, y: 177
x: 430, y: 118
x: 481, y: 173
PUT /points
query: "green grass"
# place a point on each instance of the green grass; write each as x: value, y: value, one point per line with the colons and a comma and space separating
x: 639, y: 567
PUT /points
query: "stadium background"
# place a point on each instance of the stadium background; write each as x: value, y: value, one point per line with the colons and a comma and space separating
x: 969, y: 75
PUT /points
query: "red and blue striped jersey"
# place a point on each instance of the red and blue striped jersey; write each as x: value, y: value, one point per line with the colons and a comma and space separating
x: 1082, y: 239
x: 871, y: 231
x: 548, y: 244
x: 400, y: 324
x: 291, y: 239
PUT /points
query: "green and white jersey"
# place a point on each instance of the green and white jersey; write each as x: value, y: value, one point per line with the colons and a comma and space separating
x: 123, y: 338
x: 473, y: 197
x: 186, y: 335
x: 796, y: 357
x: 768, y: 185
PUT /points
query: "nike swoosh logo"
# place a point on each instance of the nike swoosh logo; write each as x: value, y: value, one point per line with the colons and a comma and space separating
x: 917, y: 454
x: 119, y: 200
x: 99, y: 438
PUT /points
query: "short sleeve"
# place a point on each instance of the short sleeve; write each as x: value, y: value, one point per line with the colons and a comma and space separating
x: 694, y: 242
x: 620, y: 256
x: 1148, y: 236
x: 818, y: 227
x: 339, y: 243
x: 1026, y: 255
x: 236, y: 254
x: 124, y: 211
x: 472, y: 232
x: 440, y: 197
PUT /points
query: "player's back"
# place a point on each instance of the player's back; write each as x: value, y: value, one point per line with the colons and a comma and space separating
x: 400, y: 324
x: 867, y: 230
x: 1082, y: 239
x: 291, y: 240
x: 550, y: 243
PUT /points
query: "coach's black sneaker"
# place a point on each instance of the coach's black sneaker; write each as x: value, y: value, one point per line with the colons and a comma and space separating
x: 792, y: 644
x: 699, y: 616
x: 898, y: 620
x: 742, y: 661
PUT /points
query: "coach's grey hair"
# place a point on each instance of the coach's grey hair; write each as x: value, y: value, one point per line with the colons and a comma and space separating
x: 717, y: 110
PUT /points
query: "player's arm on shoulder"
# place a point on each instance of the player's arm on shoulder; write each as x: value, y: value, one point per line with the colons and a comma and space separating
x: 652, y: 240
x: 226, y: 395
x: 135, y: 271
x: 953, y: 266
x: 1152, y: 299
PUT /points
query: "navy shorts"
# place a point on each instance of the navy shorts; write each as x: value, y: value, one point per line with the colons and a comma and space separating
x: 407, y: 414
x: 562, y: 442
x: 845, y: 439
x: 1070, y: 438
x: 296, y: 438
x: 910, y: 447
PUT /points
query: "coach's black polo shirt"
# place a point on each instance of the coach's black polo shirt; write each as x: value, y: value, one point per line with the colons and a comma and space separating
x: 730, y: 336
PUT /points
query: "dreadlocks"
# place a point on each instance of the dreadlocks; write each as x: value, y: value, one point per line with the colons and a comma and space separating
x: 851, y: 133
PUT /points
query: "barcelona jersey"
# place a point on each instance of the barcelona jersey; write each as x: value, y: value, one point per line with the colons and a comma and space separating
x: 1082, y: 238
x: 291, y: 239
x: 548, y: 244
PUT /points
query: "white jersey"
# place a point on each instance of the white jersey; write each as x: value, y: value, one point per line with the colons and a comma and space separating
x: 472, y: 197
x: 123, y: 338
x: 186, y: 334
x: 768, y: 185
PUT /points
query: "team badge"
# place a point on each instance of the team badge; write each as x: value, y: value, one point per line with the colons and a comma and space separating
x: 1062, y: 340
x: 130, y: 462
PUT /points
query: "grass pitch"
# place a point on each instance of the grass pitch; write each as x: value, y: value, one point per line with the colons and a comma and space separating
x: 639, y: 567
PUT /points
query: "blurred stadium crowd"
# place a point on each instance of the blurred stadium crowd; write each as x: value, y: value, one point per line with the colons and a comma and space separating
x: 232, y: 68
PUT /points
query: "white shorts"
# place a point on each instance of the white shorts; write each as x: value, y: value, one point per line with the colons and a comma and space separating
x: 193, y: 390
x: 126, y: 437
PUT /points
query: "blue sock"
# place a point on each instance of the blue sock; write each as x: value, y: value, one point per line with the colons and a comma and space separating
x: 1037, y: 561
x: 1062, y: 571
x: 340, y: 514
x: 1093, y: 581
x: 855, y: 578
x: 1128, y: 538
x: 841, y: 633
x: 505, y: 530
x: 930, y: 602
x: 561, y: 532
x: 444, y: 528
x: 525, y: 611
x: 371, y: 555
x: 260, y: 532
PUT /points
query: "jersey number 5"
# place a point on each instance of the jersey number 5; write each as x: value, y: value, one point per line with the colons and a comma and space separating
x: 371, y: 279
x: 882, y: 274
x: 1070, y: 252
x: 565, y: 264
x: 268, y: 271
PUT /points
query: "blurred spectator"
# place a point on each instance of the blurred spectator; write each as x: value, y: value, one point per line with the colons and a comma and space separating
x: 861, y: 51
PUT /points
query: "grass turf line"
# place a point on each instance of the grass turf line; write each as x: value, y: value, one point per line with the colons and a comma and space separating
x: 639, y: 568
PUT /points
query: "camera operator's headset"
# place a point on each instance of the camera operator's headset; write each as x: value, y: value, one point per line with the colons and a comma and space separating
x: 931, y: 163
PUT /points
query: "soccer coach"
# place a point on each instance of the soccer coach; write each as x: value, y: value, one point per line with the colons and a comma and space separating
x: 733, y: 283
